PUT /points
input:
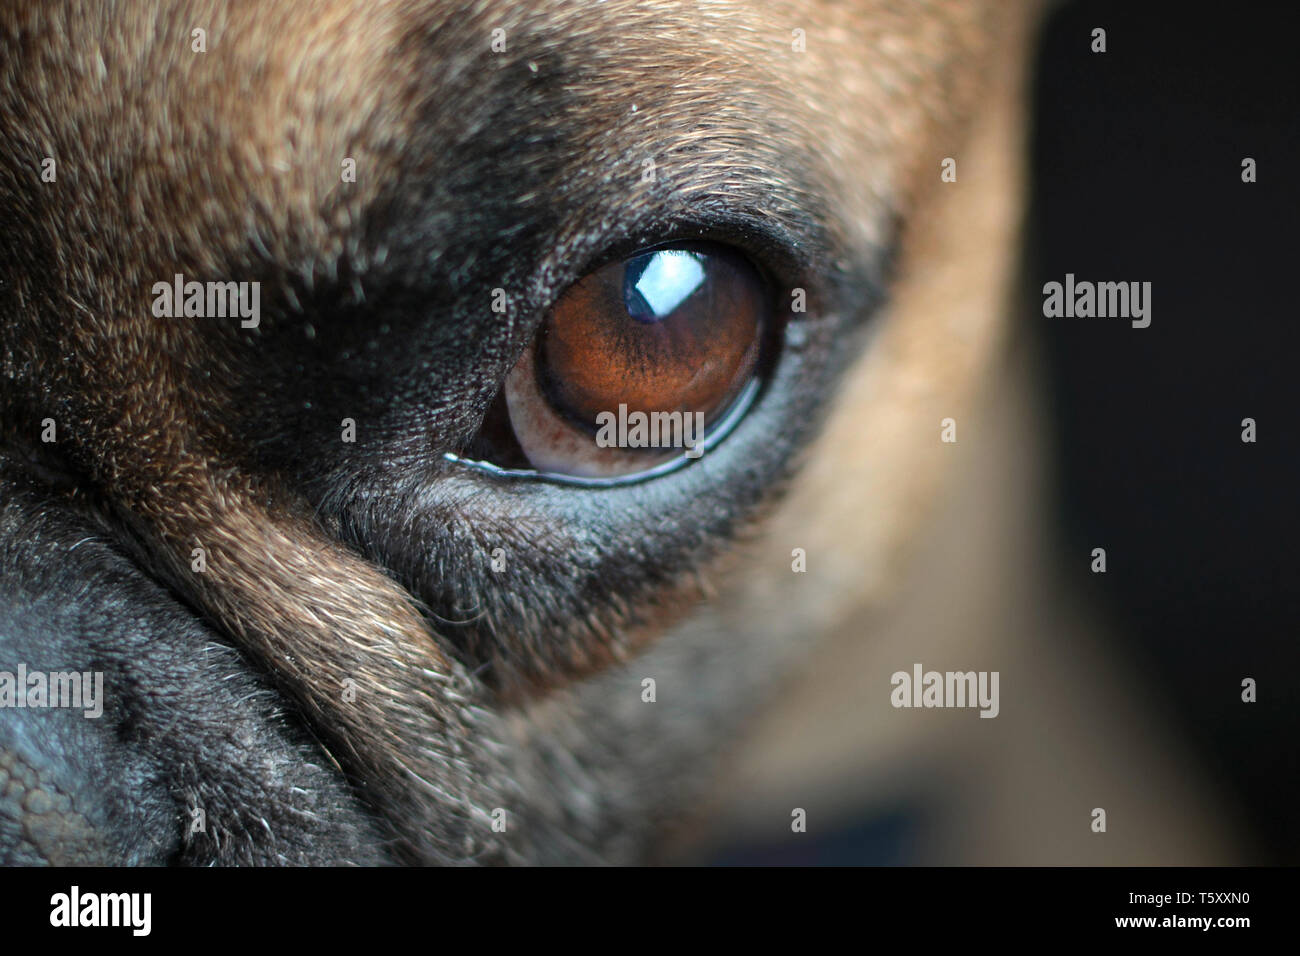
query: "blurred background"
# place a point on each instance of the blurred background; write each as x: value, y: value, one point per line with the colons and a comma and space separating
x: 1094, y: 434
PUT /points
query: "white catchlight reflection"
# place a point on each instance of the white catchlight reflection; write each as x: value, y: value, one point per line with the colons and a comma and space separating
x: 669, y: 280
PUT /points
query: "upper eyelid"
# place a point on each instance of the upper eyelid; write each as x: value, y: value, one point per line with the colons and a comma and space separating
x: 787, y: 256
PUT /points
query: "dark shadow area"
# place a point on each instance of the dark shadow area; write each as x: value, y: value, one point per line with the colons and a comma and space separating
x: 1137, y: 160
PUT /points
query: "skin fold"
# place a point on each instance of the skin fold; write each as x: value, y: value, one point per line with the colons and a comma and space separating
x: 348, y: 679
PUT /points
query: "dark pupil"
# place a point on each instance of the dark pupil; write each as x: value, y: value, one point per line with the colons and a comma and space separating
x: 656, y: 284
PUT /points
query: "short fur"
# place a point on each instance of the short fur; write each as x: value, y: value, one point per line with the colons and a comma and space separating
x: 332, y: 564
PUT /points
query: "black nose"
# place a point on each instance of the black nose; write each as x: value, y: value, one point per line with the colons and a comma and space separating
x: 130, y: 732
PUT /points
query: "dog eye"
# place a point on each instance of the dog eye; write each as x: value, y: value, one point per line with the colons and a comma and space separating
x: 642, y: 364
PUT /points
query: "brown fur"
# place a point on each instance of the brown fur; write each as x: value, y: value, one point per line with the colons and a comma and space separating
x: 226, y: 164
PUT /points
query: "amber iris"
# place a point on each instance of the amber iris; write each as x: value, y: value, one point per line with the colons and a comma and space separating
x: 671, y: 329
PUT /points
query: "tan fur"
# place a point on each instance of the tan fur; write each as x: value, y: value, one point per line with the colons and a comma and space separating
x: 175, y: 162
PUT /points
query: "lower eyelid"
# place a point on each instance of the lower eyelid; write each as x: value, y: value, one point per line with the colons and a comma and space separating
x: 719, y: 433
x: 555, y: 445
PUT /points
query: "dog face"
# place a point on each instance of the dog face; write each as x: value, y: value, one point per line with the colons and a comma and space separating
x: 352, y: 565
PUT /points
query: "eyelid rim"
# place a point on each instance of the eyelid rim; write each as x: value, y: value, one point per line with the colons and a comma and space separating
x: 783, y: 257
x: 747, y: 398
